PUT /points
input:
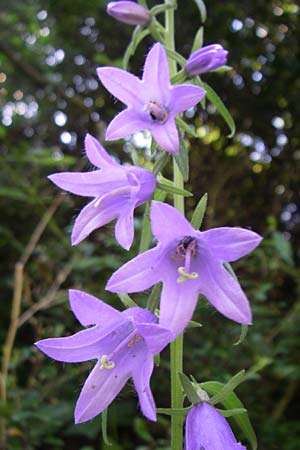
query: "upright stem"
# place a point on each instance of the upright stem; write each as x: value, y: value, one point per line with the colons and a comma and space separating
x: 177, y: 345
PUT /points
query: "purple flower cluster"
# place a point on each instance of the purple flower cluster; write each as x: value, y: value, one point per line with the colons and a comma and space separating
x: 188, y: 262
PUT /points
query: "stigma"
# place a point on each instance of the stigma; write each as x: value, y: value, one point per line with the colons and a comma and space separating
x: 104, y: 364
x: 157, y: 112
x: 185, y: 251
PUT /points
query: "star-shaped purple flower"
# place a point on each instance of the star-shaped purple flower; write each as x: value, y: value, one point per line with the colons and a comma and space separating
x: 188, y: 262
x: 123, y: 343
x: 153, y: 102
x: 117, y: 191
x: 206, y: 429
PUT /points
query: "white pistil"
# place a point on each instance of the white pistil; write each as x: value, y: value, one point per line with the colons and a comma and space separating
x: 185, y: 275
x: 106, y: 364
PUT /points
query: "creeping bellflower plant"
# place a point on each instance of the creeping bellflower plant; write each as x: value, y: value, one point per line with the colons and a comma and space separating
x: 206, y: 429
x: 123, y: 344
x: 205, y: 59
x: 188, y: 262
x: 117, y: 191
x: 153, y: 103
x: 128, y: 12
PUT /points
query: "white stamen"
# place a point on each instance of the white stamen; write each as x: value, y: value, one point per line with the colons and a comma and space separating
x: 185, y: 275
x: 106, y: 364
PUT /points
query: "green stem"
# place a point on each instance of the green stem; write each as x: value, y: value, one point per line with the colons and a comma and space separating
x: 146, y: 230
x: 177, y: 345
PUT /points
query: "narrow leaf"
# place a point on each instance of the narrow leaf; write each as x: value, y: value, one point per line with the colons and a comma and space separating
x: 137, y: 36
x: 134, y: 154
x: 189, y: 388
x: 182, y: 159
x: 154, y: 297
x: 231, y: 412
x: 202, y: 9
x: 199, y: 212
x: 244, y: 331
x: 159, y: 195
x: 185, y: 127
x: 104, y: 427
x: 228, y: 387
x: 160, y: 163
x: 198, y: 40
x: 171, y: 188
x: 126, y: 300
x: 174, y: 411
x: 232, y: 402
x: 194, y: 324
x: 228, y: 266
x: 176, y: 56
x: 222, y: 109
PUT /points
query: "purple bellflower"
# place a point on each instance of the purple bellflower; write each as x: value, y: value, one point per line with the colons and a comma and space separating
x: 123, y: 343
x: 117, y: 191
x: 188, y: 262
x: 153, y: 102
x: 205, y: 59
x: 206, y: 429
x: 128, y: 12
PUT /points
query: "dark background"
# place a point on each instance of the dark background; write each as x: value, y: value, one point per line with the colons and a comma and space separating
x: 50, y: 98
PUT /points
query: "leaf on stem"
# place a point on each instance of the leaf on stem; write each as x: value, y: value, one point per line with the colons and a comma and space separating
x: 160, y: 163
x: 137, y: 36
x: 228, y: 387
x: 174, y: 411
x: 202, y: 9
x: 189, y: 388
x: 198, y: 40
x: 104, y: 427
x: 126, y: 300
x: 199, y: 212
x: 182, y: 159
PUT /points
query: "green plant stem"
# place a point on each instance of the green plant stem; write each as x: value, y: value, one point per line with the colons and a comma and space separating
x: 146, y: 230
x: 177, y: 345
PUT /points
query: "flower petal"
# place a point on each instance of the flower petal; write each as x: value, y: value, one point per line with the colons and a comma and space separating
x: 124, y: 229
x: 100, y: 389
x: 156, y: 337
x: 141, y: 377
x: 90, y: 184
x: 184, y: 97
x: 230, y: 243
x: 99, y: 212
x: 156, y: 76
x: 97, y: 154
x: 168, y: 223
x: 87, y: 344
x: 124, y: 124
x: 89, y: 310
x: 123, y: 85
x: 207, y: 428
x: 166, y: 135
x: 223, y: 291
x: 138, y: 274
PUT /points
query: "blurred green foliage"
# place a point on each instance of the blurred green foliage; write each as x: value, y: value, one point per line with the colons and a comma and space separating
x: 50, y: 98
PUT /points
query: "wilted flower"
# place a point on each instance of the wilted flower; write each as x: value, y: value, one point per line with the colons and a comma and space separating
x: 117, y: 191
x: 206, y: 429
x: 188, y: 262
x: 206, y: 58
x: 153, y: 102
x: 123, y: 343
x: 128, y: 12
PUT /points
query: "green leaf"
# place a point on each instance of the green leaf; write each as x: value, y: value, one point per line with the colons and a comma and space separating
x: 231, y: 412
x: 228, y: 387
x: 141, y: 429
x: 261, y: 364
x: 154, y: 297
x: 104, y: 427
x: 137, y: 36
x: 198, y: 40
x: 174, y: 411
x: 202, y: 9
x: 160, y: 163
x: 126, y: 300
x: 228, y: 267
x: 244, y: 331
x: 159, y: 195
x: 283, y: 247
x: 134, y: 154
x: 232, y: 402
x: 194, y: 324
x: 172, y: 189
x: 182, y: 159
x: 222, y: 109
x: 199, y: 212
x: 189, y: 388
x: 176, y: 56
x: 185, y: 127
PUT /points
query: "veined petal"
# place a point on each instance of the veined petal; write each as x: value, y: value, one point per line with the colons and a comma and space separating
x: 90, y: 184
x: 87, y: 344
x: 156, y: 337
x: 101, y: 387
x: 141, y: 375
x: 166, y: 135
x: 122, y: 84
x: 206, y: 428
x: 156, y: 76
x: 138, y: 274
x: 222, y: 290
x: 124, y: 124
x: 89, y: 310
x: 99, y: 212
x: 124, y: 229
x: 185, y: 96
x: 97, y: 154
x: 168, y: 223
x: 230, y: 243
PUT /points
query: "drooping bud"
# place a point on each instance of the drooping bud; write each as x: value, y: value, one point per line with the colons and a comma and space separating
x: 206, y: 58
x: 128, y: 12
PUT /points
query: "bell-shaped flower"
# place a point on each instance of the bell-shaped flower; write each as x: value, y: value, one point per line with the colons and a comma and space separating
x: 205, y: 59
x: 188, y: 262
x: 206, y: 429
x: 153, y: 102
x: 117, y: 191
x: 123, y: 344
x: 128, y: 12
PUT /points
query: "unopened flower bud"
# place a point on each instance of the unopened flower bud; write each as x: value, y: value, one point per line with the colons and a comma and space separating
x: 205, y: 59
x: 128, y: 12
